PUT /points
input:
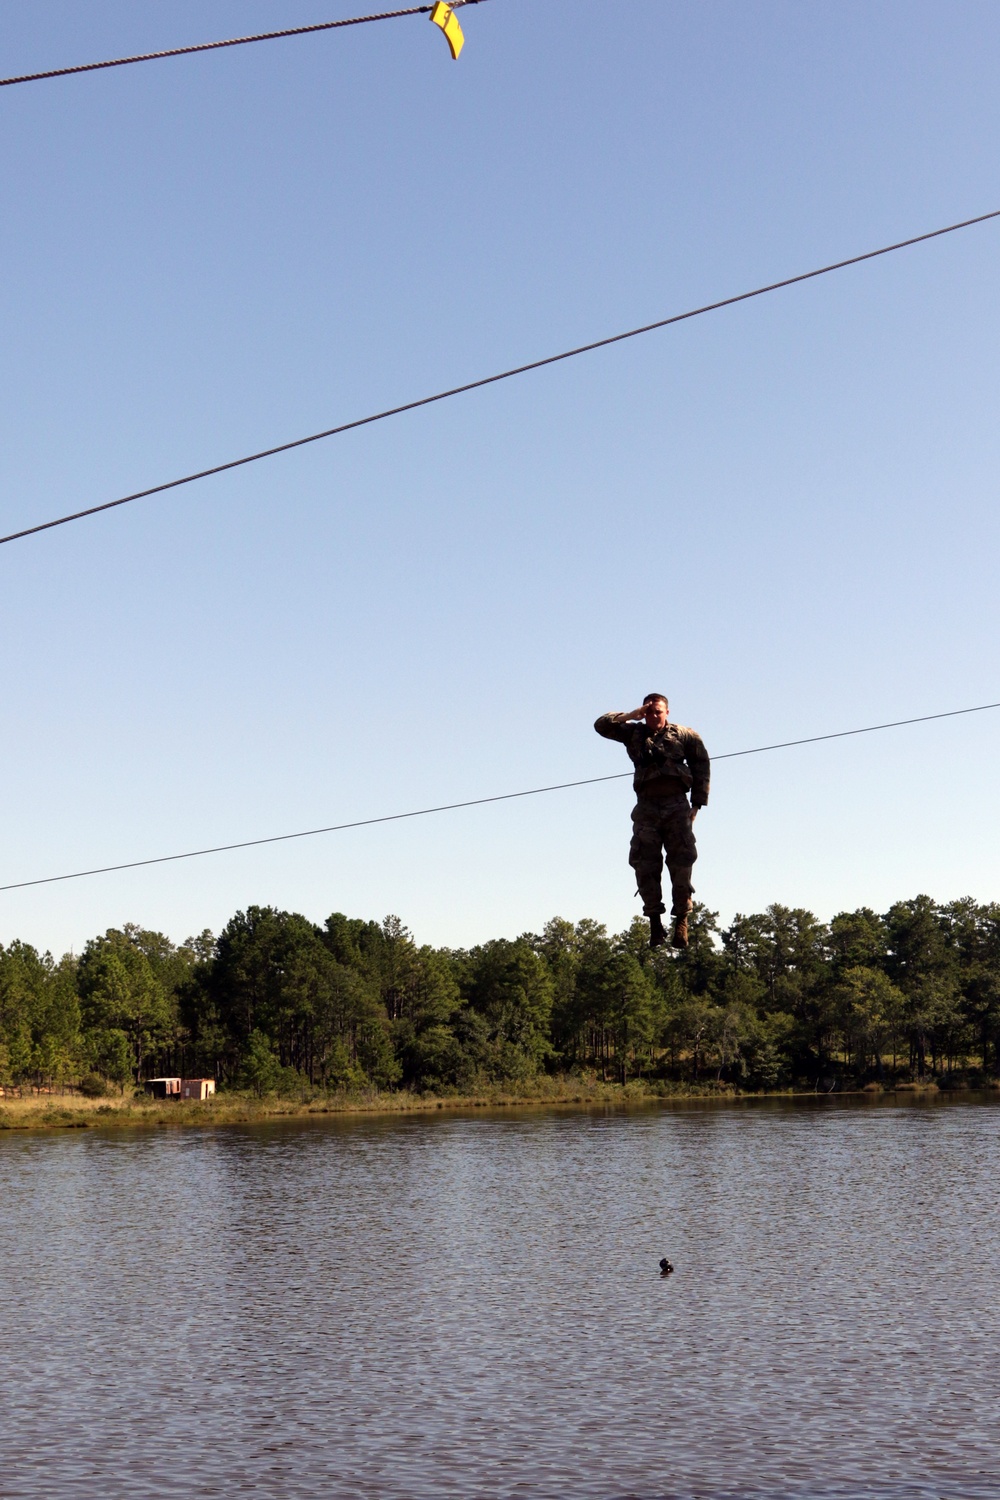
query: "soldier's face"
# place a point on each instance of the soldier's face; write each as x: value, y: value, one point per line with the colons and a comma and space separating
x: 656, y: 714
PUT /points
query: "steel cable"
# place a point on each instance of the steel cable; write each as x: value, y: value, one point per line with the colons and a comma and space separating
x: 423, y: 812
x: 236, y: 41
x: 474, y: 385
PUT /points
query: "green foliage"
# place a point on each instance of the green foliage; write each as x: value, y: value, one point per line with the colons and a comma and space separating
x: 278, y: 1004
x: 871, y: 1010
x: 766, y: 1053
x: 261, y: 1070
x: 126, y: 981
x: 39, y: 1016
x: 507, y: 987
x: 110, y: 1055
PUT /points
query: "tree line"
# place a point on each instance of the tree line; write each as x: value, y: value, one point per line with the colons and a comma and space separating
x: 275, y: 1002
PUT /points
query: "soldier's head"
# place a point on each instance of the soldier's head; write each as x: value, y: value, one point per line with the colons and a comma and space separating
x: 656, y: 709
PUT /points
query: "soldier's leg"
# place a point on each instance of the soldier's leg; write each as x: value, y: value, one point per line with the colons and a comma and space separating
x: 646, y: 858
x: 682, y: 851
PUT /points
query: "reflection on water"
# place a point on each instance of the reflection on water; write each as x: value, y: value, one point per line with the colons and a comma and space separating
x: 473, y: 1307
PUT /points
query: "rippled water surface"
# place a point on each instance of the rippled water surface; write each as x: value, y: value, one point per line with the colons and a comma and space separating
x: 471, y: 1307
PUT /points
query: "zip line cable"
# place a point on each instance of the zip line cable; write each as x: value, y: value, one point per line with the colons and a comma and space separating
x: 424, y: 812
x: 236, y: 41
x: 474, y: 385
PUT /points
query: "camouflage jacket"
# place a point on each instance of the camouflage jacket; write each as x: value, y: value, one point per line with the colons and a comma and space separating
x: 668, y: 760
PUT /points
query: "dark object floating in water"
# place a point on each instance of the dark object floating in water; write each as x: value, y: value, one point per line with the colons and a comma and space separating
x: 665, y: 1267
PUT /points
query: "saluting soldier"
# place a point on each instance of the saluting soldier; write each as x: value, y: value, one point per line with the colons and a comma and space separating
x: 670, y: 761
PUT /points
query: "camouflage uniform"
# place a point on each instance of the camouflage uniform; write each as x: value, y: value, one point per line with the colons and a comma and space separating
x: 669, y: 762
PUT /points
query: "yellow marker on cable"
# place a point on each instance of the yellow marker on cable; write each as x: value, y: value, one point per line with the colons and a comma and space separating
x: 442, y: 15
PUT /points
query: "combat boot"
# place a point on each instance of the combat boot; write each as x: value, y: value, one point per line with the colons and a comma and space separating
x: 680, y: 938
x: 657, y: 935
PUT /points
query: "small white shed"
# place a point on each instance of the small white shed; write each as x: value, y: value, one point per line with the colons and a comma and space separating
x: 197, y: 1088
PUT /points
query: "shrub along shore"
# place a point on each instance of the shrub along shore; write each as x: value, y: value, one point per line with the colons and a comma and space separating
x: 289, y: 1016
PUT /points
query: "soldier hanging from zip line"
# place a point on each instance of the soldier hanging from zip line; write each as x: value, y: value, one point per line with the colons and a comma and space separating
x: 669, y: 761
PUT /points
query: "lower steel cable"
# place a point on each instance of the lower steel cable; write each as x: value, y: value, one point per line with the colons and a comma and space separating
x: 424, y: 812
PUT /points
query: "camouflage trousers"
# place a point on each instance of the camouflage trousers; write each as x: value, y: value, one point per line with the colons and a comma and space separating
x: 659, y: 825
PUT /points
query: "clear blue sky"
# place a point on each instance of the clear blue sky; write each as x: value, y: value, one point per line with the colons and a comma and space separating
x: 784, y: 515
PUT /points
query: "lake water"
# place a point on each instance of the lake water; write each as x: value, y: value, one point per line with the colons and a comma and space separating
x: 471, y: 1307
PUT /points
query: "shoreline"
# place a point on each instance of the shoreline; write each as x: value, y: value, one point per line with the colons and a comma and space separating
x: 77, y: 1113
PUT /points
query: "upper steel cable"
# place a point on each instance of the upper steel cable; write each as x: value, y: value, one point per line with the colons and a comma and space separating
x: 236, y: 41
x: 473, y: 385
x: 423, y: 812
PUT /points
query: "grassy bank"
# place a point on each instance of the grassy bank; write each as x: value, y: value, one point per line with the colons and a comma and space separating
x: 77, y: 1113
